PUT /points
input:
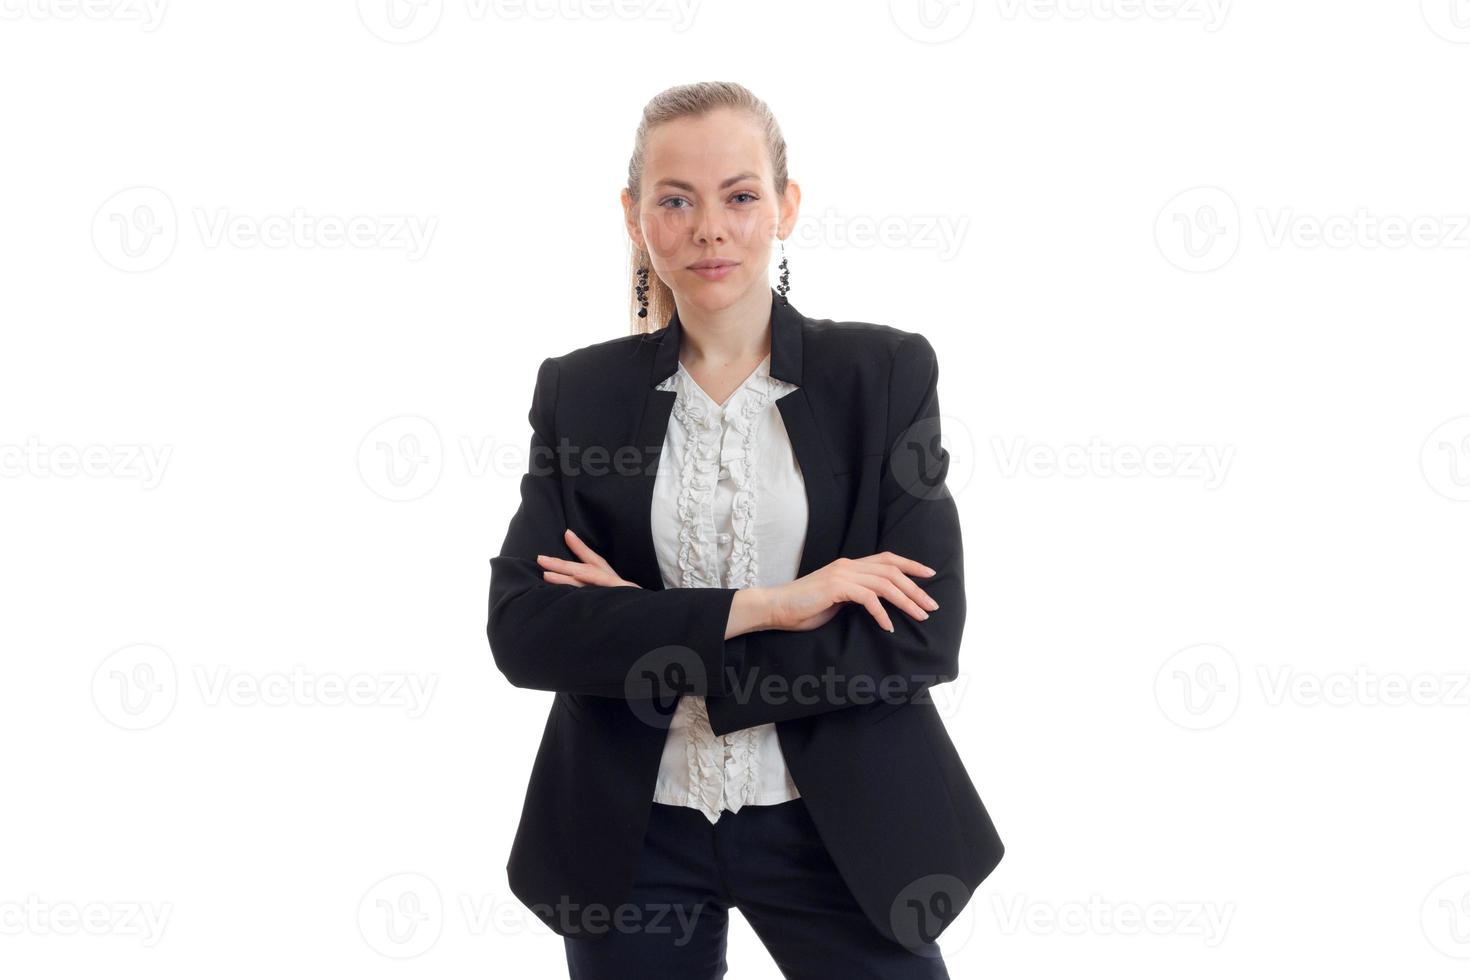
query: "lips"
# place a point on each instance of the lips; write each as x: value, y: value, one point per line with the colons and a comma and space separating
x: 713, y: 270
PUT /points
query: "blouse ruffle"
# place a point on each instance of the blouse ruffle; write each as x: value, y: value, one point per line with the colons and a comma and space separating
x: 723, y: 770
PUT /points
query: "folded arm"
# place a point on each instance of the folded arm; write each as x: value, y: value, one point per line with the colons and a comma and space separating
x: 851, y: 660
x: 622, y: 641
x: 612, y: 641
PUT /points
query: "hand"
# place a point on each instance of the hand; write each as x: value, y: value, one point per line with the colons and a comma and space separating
x: 591, y: 570
x: 812, y: 600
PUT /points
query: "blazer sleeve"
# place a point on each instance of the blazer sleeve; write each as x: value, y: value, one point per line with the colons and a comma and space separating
x: 851, y: 660
x: 612, y: 641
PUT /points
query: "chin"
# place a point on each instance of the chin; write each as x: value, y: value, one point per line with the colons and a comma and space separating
x: 717, y: 294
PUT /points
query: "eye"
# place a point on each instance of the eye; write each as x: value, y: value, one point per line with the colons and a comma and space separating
x: 746, y: 194
x: 669, y: 200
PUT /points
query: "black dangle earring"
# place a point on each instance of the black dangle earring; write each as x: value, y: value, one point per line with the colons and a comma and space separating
x: 785, y: 286
x: 642, y: 290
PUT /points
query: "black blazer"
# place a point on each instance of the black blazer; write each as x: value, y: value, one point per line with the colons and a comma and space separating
x: 866, y: 747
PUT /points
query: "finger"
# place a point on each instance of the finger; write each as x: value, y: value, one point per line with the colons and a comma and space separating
x: 851, y: 591
x: 596, y: 576
x: 588, y: 575
x: 891, y: 572
x: 556, y: 578
x: 583, y: 573
x: 902, y: 564
x: 869, y: 601
x: 561, y: 564
x: 891, y: 591
x: 908, y: 585
x: 580, y: 549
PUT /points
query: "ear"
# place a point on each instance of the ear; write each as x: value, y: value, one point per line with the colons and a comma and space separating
x: 630, y: 219
x: 790, y: 206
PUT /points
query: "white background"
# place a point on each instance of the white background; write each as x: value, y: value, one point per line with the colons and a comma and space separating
x: 1217, y: 710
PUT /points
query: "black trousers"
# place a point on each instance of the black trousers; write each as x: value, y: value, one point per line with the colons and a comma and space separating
x: 768, y: 862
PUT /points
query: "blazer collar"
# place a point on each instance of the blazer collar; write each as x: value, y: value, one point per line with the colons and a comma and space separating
x: 786, y: 324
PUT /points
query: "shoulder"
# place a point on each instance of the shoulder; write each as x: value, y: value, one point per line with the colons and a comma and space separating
x: 884, y: 376
x: 602, y: 354
x: 862, y: 363
x: 853, y: 343
x: 590, y: 381
x: 604, y: 359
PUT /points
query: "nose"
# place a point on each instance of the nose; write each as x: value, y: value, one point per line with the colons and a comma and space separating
x: 710, y: 228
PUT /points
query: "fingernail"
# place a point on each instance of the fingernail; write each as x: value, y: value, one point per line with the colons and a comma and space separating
x: 890, y: 629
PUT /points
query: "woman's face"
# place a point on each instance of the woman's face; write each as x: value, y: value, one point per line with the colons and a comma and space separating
x: 708, y: 193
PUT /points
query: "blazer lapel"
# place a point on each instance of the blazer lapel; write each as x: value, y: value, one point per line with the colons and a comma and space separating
x: 823, y: 525
x: 657, y: 407
x: 823, y: 520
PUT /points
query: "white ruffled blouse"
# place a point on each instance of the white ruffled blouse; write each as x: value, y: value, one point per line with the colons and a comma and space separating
x: 729, y: 511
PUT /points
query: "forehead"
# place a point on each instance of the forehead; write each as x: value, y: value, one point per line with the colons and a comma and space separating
x: 706, y: 149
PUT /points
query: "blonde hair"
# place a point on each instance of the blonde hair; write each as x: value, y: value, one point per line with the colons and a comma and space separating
x: 681, y: 101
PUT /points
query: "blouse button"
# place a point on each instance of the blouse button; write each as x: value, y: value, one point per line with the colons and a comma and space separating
x: 724, y: 539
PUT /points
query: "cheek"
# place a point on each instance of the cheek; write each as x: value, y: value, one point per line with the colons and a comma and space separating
x: 665, y: 230
x: 753, y: 229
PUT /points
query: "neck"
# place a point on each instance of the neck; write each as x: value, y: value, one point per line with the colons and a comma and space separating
x: 735, y: 335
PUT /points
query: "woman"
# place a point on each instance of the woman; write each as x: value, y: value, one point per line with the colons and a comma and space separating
x: 713, y: 516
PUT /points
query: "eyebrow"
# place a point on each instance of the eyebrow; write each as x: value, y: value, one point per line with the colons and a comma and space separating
x: 745, y: 175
